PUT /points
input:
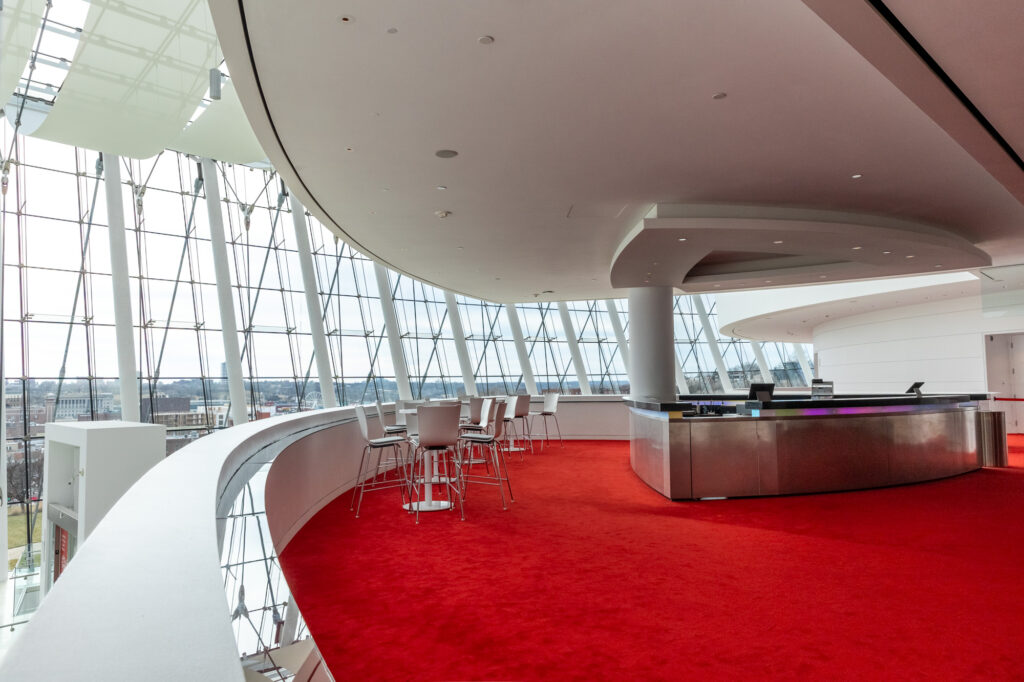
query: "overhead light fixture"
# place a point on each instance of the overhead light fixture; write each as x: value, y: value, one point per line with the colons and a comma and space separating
x: 909, y: 256
x: 857, y: 248
x: 777, y: 241
x: 939, y: 265
x: 215, y: 80
x: 441, y: 187
x: 682, y: 239
x: 886, y: 253
x: 485, y: 40
x: 720, y: 95
x: 442, y: 214
x: 446, y: 153
x: 822, y: 276
x: 856, y: 176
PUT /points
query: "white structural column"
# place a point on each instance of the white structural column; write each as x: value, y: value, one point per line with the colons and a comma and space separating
x: 620, y: 333
x: 652, y: 372
x: 520, y: 343
x: 394, y: 334
x: 711, y: 338
x: 459, y: 336
x: 316, y: 319
x: 801, y: 357
x: 122, y: 290
x: 762, y: 362
x: 574, y: 348
x: 225, y: 301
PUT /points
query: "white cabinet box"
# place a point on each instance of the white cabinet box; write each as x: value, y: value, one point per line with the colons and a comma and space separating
x: 86, y: 469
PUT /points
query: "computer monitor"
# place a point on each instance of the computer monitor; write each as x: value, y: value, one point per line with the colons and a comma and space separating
x: 762, y: 392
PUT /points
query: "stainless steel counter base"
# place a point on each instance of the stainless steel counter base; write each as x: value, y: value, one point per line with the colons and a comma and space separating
x: 699, y: 457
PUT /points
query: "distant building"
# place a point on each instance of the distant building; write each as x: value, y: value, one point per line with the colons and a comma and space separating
x: 180, y: 419
x: 71, y: 407
x: 162, y: 405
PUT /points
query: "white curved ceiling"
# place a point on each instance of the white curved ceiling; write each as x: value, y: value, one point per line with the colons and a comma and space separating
x: 580, y: 116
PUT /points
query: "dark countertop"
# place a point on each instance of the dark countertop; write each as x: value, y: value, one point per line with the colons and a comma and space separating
x: 688, y: 403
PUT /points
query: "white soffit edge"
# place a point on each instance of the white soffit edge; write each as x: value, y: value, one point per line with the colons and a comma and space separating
x: 137, y: 76
x: 784, y: 313
x: 221, y: 132
x: 19, y: 24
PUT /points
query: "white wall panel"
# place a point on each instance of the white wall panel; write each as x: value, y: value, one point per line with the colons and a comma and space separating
x: 941, y: 343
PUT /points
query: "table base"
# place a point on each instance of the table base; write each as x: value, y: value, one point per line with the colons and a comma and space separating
x: 428, y: 505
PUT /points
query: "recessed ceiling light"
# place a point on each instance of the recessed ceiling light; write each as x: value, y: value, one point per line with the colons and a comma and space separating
x: 717, y: 285
x: 682, y: 239
x: 822, y: 276
x: 442, y: 214
x: 909, y: 256
x: 720, y: 95
x: 485, y: 40
x: 392, y: 30
x: 939, y: 265
x: 886, y: 252
x: 857, y: 248
x: 441, y: 187
x: 777, y: 241
x: 856, y: 176
x: 346, y: 19
x: 446, y: 153
x: 349, y: 149
x: 767, y: 281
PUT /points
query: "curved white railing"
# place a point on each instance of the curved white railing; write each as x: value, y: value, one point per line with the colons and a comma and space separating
x: 143, y: 597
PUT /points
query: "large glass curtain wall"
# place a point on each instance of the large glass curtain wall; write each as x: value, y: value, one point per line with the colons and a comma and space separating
x: 58, y: 324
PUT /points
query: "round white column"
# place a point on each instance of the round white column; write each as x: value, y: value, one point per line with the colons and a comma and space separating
x: 652, y: 353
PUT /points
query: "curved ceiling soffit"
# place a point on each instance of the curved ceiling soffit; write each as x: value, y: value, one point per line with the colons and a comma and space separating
x: 712, y: 247
x: 229, y: 21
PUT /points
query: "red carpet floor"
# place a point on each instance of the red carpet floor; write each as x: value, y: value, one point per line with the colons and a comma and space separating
x: 591, y: 575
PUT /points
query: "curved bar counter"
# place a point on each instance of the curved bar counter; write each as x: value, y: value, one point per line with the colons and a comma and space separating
x: 798, y: 445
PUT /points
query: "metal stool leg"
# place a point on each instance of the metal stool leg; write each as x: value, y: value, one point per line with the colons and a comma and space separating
x: 359, y: 479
